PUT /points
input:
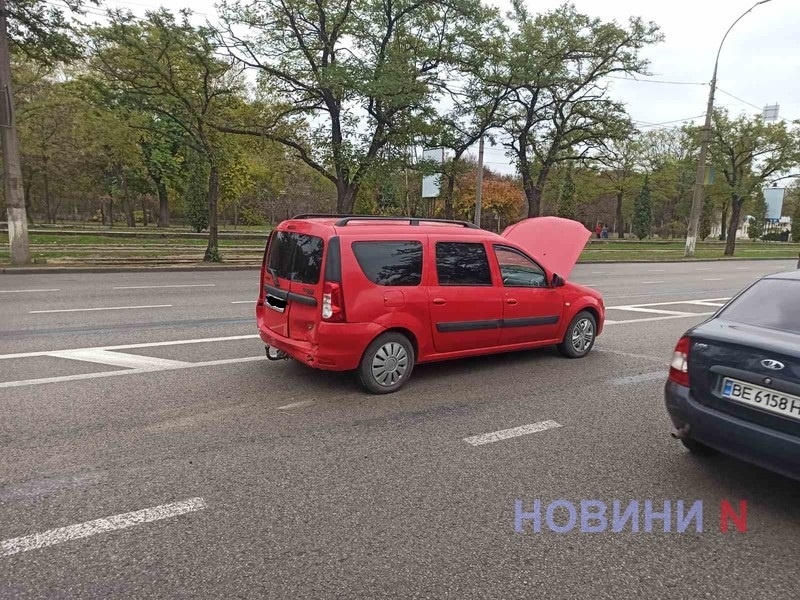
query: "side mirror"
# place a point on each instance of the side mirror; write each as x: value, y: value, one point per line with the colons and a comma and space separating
x: 558, y: 281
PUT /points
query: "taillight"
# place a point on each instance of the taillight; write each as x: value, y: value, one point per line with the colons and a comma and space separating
x: 679, y: 367
x: 332, y: 302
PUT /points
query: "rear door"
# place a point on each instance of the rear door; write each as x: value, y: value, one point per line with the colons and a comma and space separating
x: 293, y: 285
x: 466, y: 306
x: 746, y: 361
x: 532, y: 309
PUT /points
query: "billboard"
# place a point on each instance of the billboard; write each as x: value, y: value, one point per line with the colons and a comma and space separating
x: 774, y: 198
x: 432, y: 183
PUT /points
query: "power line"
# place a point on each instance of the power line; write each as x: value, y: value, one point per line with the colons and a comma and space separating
x: 662, y: 81
x: 739, y: 99
x: 647, y: 124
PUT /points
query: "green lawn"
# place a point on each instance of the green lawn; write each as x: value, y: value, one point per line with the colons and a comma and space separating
x: 96, y: 249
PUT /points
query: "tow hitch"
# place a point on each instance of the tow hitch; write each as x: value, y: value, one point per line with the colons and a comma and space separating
x: 682, y: 433
x: 275, y: 354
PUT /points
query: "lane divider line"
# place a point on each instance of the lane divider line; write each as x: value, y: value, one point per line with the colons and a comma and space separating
x: 153, y: 287
x: 505, y: 434
x: 23, y: 291
x: 68, y: 310
x: 113, y: 523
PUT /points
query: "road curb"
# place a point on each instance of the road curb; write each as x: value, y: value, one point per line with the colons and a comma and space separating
x: 45, y: 270
x: 124, y: 269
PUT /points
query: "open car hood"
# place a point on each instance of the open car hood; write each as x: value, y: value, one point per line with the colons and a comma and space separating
x: 556, y: 243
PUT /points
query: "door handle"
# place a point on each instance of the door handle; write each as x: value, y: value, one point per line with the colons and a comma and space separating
x: 439, y: 301
x: 511, y: 301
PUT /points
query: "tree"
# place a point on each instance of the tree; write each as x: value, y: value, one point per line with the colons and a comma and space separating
x: 706, y: 218
x: 758, y: 220
x: 566, y: 200
x: 168, y: 68
x: 38, y: 30
x: 559, y: 109
x: 195, y: 195
x: 501, y: 197
x: 643, y: 211
x: 747, y: 151
x: 621, y: 159
x: 793, y: 201
x: 351, y: 77
x: 477, y: 98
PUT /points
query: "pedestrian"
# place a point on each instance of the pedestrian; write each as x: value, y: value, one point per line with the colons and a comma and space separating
x: 598, y: 230
x: 605, y: 232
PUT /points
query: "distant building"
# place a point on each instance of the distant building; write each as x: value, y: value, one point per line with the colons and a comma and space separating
x: 741, y: 233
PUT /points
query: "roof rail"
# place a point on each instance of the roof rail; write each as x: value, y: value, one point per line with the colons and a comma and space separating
x: 322, y: 216
x: 411, y: 220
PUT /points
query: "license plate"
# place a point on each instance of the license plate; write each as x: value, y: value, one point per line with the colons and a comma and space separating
x: 754, y: 395
x: 276, y: 303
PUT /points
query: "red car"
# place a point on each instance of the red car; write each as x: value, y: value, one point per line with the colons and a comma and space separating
x: 381, y: 294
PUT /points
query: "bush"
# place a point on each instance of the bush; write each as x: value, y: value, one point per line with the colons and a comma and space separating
x: 776, y: 236
x: 251, y: 215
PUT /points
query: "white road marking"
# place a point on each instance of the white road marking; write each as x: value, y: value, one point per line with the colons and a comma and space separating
x: 300, y: 404
x: 597, y: 272
x: 66, y: 310
x: 682, y: 316
x: 229, y: 338
x: 714, y: 279
x: 152, y: 287
x: 641, y: 378
x: 650, y: 310
x: 118, y: 359
x: 89, y: 528
x: 656, y: 270
x: 673, y: 302
x: 703, y: 269
x: 504, y: 434
x: 653, y: 281
x: 103, y: 374
x: 243, y: 302
x: 628, y: 354
x: 26, y: 291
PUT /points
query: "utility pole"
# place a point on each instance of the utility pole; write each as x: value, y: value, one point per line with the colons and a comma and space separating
x: 12, y: 171
x: 697, y: 199
x: 479, y: 188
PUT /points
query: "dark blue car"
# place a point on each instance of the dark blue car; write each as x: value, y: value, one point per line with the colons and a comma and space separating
x: 734, y: 380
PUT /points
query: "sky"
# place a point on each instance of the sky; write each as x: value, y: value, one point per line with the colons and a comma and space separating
x: 759, y: 63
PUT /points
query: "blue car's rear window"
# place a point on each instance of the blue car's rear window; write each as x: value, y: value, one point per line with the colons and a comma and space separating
x: 773, y: 303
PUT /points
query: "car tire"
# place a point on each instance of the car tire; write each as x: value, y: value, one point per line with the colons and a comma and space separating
x: 580, y: 336
x: 387, y: 363
x: 698, y: 448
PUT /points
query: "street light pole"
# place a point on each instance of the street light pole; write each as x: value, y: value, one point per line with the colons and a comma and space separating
x: 697, y: 200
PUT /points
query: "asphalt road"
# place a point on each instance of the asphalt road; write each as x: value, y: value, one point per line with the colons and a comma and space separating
x: 224, y: 475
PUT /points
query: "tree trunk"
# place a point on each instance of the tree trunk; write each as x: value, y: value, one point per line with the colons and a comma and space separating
x: 736, y: 209
x: 144, y: 212
x: 345, y: 197
x: 163, y: 204
x: 111, y: 211
x: 212, y: 250
x: 12, y: 170
x: 51, y: 218
x: 127, y: 206
x: 620, y: 218
x: 724, y: 223
x: 448, y: 198
x: 103, y: 212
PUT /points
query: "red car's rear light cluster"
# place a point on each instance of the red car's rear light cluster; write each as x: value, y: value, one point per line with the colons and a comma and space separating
x: 332, y: 302
x: 679, y: 367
